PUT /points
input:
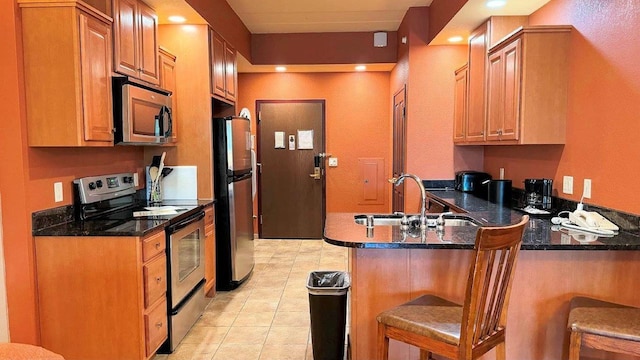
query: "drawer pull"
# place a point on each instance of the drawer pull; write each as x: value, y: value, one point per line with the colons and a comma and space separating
x: 159, y: 324
x: 158, y: 279
x: 157, y: 245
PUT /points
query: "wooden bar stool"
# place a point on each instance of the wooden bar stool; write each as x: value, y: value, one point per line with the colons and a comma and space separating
x: 604, y: 326
x: 438, y: 326
x: 14, y: 351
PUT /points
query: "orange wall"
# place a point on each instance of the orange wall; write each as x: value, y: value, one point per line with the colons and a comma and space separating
x: 321, y: 48
x: 225, y: 22
x: 428, y: 72
x: 27, y: 178
x: 356, y: 123
x: 603, y: 108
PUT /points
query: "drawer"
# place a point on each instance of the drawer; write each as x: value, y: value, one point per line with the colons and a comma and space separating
x: 153, y: 245
x: 155, y: 280
x: 156, y: 330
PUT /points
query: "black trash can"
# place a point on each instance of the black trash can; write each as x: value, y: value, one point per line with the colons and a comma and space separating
x: 328, y: 309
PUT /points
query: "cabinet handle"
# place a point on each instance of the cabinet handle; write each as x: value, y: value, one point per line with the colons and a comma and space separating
x: 157, y: 246
x: 158, y: 279
x: 159, y: 324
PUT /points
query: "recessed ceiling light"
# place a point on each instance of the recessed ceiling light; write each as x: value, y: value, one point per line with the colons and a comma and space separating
x: 455, y: 39
x: 177, y: 19
x: 281, y: 68
x: 496, y: 3
x: 361, y: 67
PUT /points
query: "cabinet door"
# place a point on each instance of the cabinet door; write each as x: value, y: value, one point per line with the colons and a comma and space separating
x: 460, y: 105
x: 125, y: 25
x: 495, y: 98
x: 230, y: 72
x: 217, y: 65
x: 95, y: 45
x: 148, y: 45
x: 477, y: 80
x: 510, y: 128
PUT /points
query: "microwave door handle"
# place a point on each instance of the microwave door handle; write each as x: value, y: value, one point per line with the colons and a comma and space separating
x: 166, y: 119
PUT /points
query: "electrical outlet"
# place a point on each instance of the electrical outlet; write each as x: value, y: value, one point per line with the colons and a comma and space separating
x: 136, y: 180
x: 57, y: 192
x: 333, y: 162
x: 586, y: 191
x: 567, y: 184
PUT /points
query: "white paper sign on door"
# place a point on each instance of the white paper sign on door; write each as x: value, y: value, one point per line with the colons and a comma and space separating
x: 279, y: 136
x: 305, y: 139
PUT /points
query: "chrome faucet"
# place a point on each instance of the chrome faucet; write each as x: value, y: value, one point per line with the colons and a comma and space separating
x: 423, y: 193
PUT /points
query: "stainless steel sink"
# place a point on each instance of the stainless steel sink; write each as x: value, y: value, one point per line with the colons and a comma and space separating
x: 413, y: 220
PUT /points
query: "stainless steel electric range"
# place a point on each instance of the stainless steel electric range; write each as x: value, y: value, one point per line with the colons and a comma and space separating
x: 109, y: 202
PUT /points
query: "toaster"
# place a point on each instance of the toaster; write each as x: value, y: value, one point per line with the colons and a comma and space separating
x: 471, y: 182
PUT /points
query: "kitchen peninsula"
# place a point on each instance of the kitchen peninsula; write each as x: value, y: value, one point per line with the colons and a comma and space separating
x: 389, y: 268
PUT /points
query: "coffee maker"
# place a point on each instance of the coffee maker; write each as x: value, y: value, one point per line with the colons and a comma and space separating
x: 537, y: 193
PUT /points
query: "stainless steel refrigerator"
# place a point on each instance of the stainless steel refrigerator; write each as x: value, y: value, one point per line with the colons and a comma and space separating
x: 234, y: 202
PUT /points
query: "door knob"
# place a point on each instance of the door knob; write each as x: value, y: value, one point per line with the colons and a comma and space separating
x: 316, y: 173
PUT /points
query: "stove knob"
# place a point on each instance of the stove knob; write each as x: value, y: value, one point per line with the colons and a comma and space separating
x: 99, y: 183
x: 92, y: 186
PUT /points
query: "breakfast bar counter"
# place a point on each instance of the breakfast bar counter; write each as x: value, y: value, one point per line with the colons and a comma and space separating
x: 390, y: 267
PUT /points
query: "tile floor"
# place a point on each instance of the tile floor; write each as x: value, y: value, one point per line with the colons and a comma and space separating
x: 266, y: 318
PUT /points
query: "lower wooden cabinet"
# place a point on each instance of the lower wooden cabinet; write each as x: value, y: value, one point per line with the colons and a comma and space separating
x: 102, y: 298
x: 209, y: 252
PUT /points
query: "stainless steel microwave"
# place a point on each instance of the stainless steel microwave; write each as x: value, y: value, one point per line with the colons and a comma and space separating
x: 142, y: 113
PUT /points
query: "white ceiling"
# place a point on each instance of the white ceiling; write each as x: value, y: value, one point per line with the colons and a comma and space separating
x: 300, y: 16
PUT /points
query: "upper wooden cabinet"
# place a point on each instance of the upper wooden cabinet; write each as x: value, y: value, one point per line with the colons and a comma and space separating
x: 135, y: 45
x: 477, y: 74
x: 527, y: 87
x: 460, y: 100
x: 480, y: 40
x: 224, y: 74
x: 68, y: 68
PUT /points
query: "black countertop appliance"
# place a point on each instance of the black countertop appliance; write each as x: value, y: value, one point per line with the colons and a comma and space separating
x: 471, y: 182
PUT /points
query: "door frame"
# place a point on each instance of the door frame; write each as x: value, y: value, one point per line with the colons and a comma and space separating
x: 259, y: 154
x: 398, y: 204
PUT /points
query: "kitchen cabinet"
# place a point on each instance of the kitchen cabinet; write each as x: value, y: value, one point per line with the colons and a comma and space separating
x: 527, y: 87
x: 224, y: 73
x: 460, y: 99
x: 478, y: 44
x: 209, y: 252
x: 167, y: 77
x: 71, y: 106
x: 98, y: 291
x: 135, y: 27
x: 480, y: 40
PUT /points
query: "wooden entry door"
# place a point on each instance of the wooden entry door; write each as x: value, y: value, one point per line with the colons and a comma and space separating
x: 291, y: 203
x: 399, y: 147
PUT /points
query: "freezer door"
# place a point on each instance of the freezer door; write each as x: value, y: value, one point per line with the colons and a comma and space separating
x: 238, y: 133
x: 241, y: 221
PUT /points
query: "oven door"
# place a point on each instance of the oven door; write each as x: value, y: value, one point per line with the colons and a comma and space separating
x: 186, y: 256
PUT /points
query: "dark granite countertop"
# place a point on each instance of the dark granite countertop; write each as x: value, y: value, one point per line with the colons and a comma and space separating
x: 60, y: 222
x: 341, y: 230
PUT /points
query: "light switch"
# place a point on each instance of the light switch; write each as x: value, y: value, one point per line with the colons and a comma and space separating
x: 333, y: 162
x: 57, y: 192
x: 136, y: 180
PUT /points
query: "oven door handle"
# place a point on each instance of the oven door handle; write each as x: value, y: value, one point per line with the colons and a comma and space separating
x: 184, y: 223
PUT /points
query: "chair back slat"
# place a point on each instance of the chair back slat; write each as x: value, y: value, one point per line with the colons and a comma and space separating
x: 489, y: 284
